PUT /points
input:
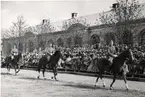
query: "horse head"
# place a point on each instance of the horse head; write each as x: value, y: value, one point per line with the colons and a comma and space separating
x: 58, y: 54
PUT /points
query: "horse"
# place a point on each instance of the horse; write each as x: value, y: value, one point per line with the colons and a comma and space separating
x: 117, y: 67
x: 52, y: 62
x: 13, y: 62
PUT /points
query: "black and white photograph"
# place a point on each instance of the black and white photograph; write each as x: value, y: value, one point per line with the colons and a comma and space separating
x: 72, y: 48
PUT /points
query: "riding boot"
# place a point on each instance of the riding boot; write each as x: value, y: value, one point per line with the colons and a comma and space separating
x: 110, y: 67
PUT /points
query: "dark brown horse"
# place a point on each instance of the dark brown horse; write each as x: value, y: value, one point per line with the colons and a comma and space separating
x: 52, y: 62
x: 115, y: 68
x: 13, y: 62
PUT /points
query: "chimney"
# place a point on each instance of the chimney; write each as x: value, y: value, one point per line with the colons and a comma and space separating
x: 44, y: 21
x: 115, y: 5
x: 74, y: 15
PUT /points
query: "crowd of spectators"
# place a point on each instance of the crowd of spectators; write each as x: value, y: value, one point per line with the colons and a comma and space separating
x: 100, y: 52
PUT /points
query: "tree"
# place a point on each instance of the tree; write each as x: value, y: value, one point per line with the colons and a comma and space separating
x: 19, y: 26
x: 45, y: 27
x: 122, y: 17
x: 16, y: 30
x: 5, y: 33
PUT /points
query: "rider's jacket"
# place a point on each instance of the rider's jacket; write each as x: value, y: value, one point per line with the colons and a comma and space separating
x: 111, y: 53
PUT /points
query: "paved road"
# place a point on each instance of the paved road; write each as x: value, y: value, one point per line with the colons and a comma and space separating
x: 25, y: 84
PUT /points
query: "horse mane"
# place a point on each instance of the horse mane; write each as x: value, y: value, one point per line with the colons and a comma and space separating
x: 56, y: 52
x: 123, y: 53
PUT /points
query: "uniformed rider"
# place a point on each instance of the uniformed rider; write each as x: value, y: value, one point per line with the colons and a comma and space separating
x: 51, y: 49
x: 14, y: 52
x: 111, y: 52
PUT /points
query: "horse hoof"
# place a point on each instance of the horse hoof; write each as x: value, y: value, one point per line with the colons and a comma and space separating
x: 104, y: 85
x: 56, y: 79
x: 127, y: 89
x: 38, y: 77
x: 51, y: 77
x: 17, y: 71
x: 111, y: 88
x: 44, y: 78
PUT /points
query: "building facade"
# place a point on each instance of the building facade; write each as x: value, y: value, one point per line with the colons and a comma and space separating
x: 77, y: 34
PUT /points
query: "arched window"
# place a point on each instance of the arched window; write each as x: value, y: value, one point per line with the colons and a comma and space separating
x: 42, y: 45
x: 20, y: 47
x: 50, y: 42
x: 109, y: 37
x: 9, y: 48
x: 15, y: 45
x: 78, y: 41
x: 69, y: 41
x: 127, y: 37
x: 60, y: 42
x: 95, y: 39
x: 142, y: 37
x: 31, y: 46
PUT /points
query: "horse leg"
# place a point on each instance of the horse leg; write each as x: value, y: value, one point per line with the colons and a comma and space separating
x: 38, y: 72
x: 44, y: 67
x: 124, y: 78
x: 114, y: 78
x: 101, y: 77
x: 55, y: 72
x: 18, y: 66
x: 96, y: 83
x: 15, y: 70
x: 8, y: 68
x: 104, y: 84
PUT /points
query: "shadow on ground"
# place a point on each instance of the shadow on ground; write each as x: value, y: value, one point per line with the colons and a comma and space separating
x: 84, y: 86
x: 92, y: 87
x: 34, y: 78
x: 2, y: 73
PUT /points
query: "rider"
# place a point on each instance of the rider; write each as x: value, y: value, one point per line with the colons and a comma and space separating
x: 14, y: 52
x: 111, y: 52
x: 51, y: 49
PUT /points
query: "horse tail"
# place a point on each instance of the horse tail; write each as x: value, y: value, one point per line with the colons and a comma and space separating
x: 38, y: 67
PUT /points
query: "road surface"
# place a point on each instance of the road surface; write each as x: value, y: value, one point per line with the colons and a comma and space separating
x: 25, y: 84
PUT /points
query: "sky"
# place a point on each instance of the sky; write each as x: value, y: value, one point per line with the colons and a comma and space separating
x: 35, y: 11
